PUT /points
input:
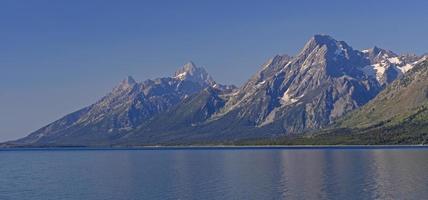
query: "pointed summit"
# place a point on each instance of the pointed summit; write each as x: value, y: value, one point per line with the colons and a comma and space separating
x: 129, y: 80
x: 126, y: 83
x: 322, y: 39
x: 376, y: 54
x: 189, y: 66
x: 190, y: 72
x: 324, y: 48
x: 329, y: 43
x: 187, y: 69
x: 377, y: 51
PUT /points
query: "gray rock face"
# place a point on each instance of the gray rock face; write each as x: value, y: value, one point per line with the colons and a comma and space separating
x: 195, y: 74
x: 288, y: 95
x: 125, y: 108
x: 309, y: 91
x: 386, y: 66
x: 402, y: 103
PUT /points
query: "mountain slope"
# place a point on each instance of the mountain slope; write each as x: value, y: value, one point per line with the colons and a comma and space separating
x: 403, y: 100
x: 181, y: 123
x: 288, y: 96
x: 125, y: 108
x: 398, y: 115
x: 386, y: 66
x: 309, y: 91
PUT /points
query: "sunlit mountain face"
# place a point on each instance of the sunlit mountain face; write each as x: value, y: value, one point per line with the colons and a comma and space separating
x: 288, y: 96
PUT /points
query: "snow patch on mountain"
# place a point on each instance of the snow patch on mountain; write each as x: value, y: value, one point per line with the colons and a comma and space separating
x: 190, y: 72
x: 377, y: 70
x: 261, y: 83
x: 181, y: 76
x: 385, y: 66
x: 287, y: 99
x: 394, y: 60
x: 406, y: 68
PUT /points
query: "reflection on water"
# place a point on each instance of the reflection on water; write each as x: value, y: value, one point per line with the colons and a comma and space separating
x: 215, y: 174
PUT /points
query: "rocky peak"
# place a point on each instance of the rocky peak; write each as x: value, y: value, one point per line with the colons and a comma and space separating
x: 189, y: 67
x: 329, y: 56
x: 327, y: 48
x: 129, y: 80
x: 276, y: 59
x: 126, y: 84
x: 271, y: 67
x: 190, y: 72
x: 324, y: 40
x: 377, y: 54
x: 376, y: 51
x: 386, y: 66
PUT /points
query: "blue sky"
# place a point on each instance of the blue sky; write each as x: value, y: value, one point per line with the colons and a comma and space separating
x: 58, y: 56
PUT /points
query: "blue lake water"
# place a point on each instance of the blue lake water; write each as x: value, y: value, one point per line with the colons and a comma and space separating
x: 320, y: 173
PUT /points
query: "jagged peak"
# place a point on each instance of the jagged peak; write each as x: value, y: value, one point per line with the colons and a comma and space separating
x: 282, y: 56
x: 321, y: 40
x: 276, y: 59
x: 129, y: 80
x: 188, y: 69
x: 126, y: 83
x: 191, y: 72
x: 375, y: 51
x: 189, y: 66
x: 272, y: 66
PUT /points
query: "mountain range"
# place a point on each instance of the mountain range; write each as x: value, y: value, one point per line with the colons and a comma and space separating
x: 327, y: 91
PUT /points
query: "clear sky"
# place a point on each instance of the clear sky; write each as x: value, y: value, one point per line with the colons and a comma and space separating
x: 60, y: 55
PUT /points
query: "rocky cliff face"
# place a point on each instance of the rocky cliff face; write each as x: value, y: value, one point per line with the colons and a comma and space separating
x: 323, y: 82
x: 405, y: 100
x: 126, y: 107
x: 287, y: 96
x: 386, y: 66
x: 397, y: 115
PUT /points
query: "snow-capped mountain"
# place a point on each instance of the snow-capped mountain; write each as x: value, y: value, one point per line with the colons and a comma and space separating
x: 386, y: 66
x: 405, y: 98
x: 308, y: 91
x: 397, y: 115
x: 287, y: 96
x: 195, y: 74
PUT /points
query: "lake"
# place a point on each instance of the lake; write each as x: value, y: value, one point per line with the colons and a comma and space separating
x: 215, y: 173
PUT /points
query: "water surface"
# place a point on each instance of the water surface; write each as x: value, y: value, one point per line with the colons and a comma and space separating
x: 320, y: 173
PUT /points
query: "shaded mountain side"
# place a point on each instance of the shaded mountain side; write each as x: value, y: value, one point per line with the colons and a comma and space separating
x: 187, y: 123
x: 125, y: 108
x: 398, y: 115
x: 399, y: 102
x: 192, y: 112
x: 293, y: 97
x: 309, y: 91
x: 386, y: 66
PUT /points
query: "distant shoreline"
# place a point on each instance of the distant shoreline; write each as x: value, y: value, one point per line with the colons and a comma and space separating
x: 220, y: 147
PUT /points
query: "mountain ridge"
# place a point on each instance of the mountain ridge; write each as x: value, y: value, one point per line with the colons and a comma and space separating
x: 124, y: 108
x: 288, y: 96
